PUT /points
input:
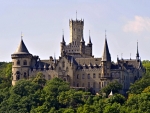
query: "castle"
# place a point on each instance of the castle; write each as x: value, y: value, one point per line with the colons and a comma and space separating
x: 77, y: 64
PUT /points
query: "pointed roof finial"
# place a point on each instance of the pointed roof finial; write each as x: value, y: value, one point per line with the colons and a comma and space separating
x: 105, y: 34
x: 21, y: 35
x: 63, y: 40
x: 82, y: 39
x: 76, y: 14
x: 130, y: 56
x: 137, y: 54
x: 89, y: 38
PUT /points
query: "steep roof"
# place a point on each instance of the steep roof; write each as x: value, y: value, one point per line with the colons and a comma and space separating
x: 22, y: 49
x: 106, y: 55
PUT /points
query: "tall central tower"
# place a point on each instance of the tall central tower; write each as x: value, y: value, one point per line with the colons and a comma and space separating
x: 76, y: 30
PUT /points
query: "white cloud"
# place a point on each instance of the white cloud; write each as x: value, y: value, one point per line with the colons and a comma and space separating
x: 139, y: 24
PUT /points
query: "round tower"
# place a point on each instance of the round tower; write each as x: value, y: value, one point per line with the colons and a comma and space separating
x: 21, y: 63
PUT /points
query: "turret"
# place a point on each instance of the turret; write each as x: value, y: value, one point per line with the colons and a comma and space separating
x: 21, y: 62
x: 106, y: 61
x: 82, y: 46
x: 90, y: 46
x: 63, y: 44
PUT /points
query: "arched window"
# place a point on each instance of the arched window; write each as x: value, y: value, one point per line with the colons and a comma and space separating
x: 77, y: 76
x: 17, y: 75
x: 24, y: 62
x: 18, y: 62
x: 94, y: 76
x: 25, y: 75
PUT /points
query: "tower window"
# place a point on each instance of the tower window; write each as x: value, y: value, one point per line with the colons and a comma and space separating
x: 24, y: 62
x: 17, y: 75
x: 99, y: 75
x: 18, y: 62
x: 94, y: 76
x: 25, y: 75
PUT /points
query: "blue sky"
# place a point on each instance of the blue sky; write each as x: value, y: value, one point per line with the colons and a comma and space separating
x: 42, y: 21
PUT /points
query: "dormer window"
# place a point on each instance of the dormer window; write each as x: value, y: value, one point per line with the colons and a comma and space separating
x: 24, y: 62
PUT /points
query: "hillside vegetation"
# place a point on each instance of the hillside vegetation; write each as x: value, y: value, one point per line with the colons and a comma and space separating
x: 55, y: 96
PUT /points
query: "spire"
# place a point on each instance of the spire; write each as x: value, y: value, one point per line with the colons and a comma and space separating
x: 106, y: 55
x: 89, y: 38
x: 76, y: 15
x: 63, y: 40
x: 82, y: 39
x: 137, y: 54
x: 22, y: 49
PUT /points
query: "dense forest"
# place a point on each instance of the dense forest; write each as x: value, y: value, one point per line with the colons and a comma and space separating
x: 38, y: 95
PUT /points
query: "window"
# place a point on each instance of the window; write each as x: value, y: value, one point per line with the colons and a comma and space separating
x: 94, y: 76
x: 24, y: 62
x: 18, y: 62
x: 99, y: 75
x: 12, y: 63
x: 17, y: 75
x: 99, y: 85
x: 77, y: 76
x: 83, y: 76
x: 88, y: 76
x: 25, y: 75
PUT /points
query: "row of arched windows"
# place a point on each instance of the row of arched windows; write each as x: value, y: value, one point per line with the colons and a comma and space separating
x: 24, y: 62
x: 88, y: 76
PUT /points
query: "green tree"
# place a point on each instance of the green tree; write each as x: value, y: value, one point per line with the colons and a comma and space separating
x: 115, y: 86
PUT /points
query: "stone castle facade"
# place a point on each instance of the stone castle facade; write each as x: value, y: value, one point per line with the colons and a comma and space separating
x: 77, y: 65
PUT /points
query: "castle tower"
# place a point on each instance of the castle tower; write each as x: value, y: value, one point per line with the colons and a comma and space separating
x: 106, y: 61
x: 21, y: 61
x: 76, y: 30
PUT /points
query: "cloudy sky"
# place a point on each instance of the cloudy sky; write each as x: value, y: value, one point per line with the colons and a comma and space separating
x: 42, y: 21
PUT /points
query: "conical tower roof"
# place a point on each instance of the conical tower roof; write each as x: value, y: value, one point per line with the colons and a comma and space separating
x: 63, y: 40
x: 137, y: 54
x: 82, y: 40
x: 90, y: 40
x: 106, y: 55
x: 22, y: 49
